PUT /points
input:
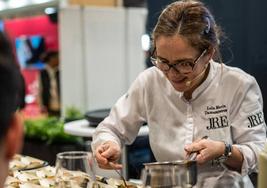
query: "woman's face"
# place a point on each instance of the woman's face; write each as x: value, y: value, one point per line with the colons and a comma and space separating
x: 176, y: 49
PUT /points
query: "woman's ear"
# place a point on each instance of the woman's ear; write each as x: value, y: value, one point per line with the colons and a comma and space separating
x: 210, y: 53
x: 14, y: 136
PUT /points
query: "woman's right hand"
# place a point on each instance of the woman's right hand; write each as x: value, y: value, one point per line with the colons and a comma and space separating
x: 108, y: 153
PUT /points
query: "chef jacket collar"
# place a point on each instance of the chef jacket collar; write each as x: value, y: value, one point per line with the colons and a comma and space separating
x: 197, y: 92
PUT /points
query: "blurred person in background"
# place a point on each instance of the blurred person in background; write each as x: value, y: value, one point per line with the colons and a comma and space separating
x: 11, y: 129
x: 187, y: 95
x: 49, y: 84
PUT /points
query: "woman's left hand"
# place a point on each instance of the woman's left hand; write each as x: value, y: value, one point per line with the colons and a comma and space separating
x: 206, y: 150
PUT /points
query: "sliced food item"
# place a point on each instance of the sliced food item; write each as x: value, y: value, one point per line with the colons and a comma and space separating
x: 46, y: 172
x: 16, y: 165
x: 25, y: 177
x: 29, y: 185
x: 21, y: 162
x: 12, y: 181
x: 31, y: 162
x: 119, y: 183
x: 47, y: 182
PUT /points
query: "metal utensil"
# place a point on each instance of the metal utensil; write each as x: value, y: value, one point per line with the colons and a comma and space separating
x: 172, y: 173
x: 193, y: 154
x: 111, y: 164
x: 181, y: 172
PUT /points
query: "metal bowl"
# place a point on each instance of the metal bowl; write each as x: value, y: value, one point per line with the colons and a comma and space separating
x: 182, y: 173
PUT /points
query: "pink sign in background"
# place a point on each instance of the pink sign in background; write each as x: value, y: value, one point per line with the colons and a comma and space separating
x: 27, y: 27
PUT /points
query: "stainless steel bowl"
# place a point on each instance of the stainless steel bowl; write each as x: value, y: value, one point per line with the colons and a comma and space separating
x: 182, y: 173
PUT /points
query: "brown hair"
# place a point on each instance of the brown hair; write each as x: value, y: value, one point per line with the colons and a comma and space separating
x: 10, y: 83
x: 192, y: 20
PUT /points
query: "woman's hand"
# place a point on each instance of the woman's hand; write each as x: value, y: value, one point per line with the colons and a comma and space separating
x: 108, y: 152
x: 206, y: 150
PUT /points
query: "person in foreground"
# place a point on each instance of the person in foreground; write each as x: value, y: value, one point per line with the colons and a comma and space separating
x: 187, y: 95
x: 11, y: 129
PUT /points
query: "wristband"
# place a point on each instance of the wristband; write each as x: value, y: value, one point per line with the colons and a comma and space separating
x: 226, y: 155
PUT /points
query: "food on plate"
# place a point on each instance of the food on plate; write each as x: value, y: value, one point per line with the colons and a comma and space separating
x: 28, y: 172
x: 46, y: 172
x: 29, y: 185
x: 67, y: 178
x: 119, y: 183
x: 25, y: 177
x: 16, y: 165
x: 47, y: 182
x: 21, y: 162
x: 11, y: 182
x: 41, y: 177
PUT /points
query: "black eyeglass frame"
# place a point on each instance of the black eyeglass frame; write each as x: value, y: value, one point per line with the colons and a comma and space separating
x: 154, y: 62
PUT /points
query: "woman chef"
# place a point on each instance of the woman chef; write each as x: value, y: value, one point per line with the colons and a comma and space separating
x: 188, y: 95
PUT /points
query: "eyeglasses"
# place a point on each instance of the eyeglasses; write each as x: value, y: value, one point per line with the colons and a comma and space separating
x: 185, y: 66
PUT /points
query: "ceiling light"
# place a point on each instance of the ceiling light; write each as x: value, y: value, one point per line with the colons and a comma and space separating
x: 50, y: 10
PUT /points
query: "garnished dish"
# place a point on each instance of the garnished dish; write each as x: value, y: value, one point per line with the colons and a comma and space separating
x: 21, y: 162
x: 116, y: 183
x: 45, y: 176
x: 40, y: 177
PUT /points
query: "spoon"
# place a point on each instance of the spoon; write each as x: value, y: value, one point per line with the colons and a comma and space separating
x: 111, y: 164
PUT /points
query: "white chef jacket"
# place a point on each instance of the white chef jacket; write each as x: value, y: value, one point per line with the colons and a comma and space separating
x: 227, y: 106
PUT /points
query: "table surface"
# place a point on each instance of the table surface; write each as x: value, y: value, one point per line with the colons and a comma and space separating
x: 82, y: 128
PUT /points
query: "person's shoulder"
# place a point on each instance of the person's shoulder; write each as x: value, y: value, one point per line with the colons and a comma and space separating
x: 237, y: 75
x: 151, y: 73
x: 149, y: 76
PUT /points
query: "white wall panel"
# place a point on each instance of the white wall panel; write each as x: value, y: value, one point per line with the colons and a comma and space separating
x: 135, y: 28
x: 104, y: 31
x: 71, y: 58
x: 101, y: 54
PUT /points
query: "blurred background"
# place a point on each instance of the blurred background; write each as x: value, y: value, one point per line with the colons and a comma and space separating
x: 101, y: 46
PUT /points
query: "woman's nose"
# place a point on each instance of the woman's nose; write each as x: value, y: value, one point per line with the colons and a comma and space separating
x: 172, y: 71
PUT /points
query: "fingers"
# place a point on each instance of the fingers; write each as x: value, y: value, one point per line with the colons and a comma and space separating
x: 100, y: 159
x: 109, y: 151
x: 111, y: 165
x: 115, y: 165
x: 199, y: 147
x: 194, y: 147
x: 206, y: 150
x: 203, y: 156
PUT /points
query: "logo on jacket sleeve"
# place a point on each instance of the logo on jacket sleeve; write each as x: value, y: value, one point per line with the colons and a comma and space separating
x: 255, y: 119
